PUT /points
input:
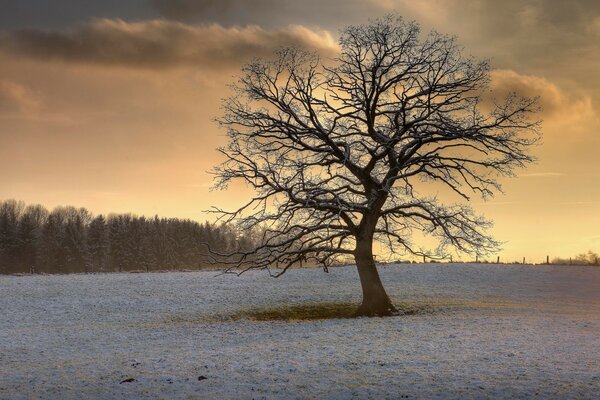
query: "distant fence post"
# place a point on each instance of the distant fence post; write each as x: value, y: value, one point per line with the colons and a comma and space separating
x: 424, y: 261
x: 523, y: 260
x: 476, y: 258
x: 548, y: 260
x: 498, y: 260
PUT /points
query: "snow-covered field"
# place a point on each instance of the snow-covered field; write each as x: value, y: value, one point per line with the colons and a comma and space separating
x: 499, y: 331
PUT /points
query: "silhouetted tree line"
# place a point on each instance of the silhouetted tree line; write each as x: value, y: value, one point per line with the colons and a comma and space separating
x: 70, y: 240
x: 589, y: 258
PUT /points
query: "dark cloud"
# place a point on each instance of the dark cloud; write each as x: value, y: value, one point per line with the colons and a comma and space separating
x: 490, y: 16
x: 161, y: 44
x: 52, y: 14
x: 527, y: 35
x: 186, y: 9
x: 529, y: 30
x: 272, y: 12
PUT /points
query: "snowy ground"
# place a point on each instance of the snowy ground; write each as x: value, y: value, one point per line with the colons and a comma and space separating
x: 506, y: 332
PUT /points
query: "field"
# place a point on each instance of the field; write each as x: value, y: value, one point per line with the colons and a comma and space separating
x: 479, y: 331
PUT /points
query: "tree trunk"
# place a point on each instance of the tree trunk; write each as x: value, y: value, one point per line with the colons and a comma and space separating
x: 375, y: 300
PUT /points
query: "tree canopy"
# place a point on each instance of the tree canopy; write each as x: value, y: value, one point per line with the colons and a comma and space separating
x: 340, y: 151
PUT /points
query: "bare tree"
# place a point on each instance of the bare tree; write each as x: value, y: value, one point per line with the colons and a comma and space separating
x: 338, y: 152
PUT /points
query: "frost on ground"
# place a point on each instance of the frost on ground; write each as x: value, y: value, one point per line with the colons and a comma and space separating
x: 496, y: 331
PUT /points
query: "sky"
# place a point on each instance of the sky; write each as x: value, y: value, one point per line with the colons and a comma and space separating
x: 109, y: 105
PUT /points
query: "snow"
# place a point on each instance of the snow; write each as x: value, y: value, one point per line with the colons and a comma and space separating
x: 499, y: 331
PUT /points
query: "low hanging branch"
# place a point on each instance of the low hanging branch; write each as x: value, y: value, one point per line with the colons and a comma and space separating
x: 336, y: 152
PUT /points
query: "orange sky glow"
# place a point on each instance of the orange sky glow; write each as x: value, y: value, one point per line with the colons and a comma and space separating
x: 114, y: 111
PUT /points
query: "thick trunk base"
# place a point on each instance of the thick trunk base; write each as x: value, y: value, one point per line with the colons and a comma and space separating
x: 376, y: 302
x: 376, y: 308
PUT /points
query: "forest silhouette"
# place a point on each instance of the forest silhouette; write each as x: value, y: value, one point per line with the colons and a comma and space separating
x: 73, y: 240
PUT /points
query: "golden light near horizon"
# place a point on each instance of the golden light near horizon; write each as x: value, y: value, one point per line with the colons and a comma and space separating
x: 111, y: 107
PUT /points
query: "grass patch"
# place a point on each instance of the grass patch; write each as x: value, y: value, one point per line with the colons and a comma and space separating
x: 344, y: 310
x: 300, y: 312
x: 319, y: 311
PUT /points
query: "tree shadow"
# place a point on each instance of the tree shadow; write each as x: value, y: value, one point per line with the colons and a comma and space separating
x: 322, y: 311
x: 441, y: 306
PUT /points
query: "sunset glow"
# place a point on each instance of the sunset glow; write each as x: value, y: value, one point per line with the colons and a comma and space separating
x: 111, y: 107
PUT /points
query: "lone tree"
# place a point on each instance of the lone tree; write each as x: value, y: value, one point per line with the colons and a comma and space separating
x: 338, y: 151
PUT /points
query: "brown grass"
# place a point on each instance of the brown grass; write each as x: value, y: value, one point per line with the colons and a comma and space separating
x: 319, y: 311
x: 344, y: 310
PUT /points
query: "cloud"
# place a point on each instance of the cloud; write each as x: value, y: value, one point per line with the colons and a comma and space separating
x: 162, y: 44
x: 272, y: 12
x: 16, y: 98
x: 555, y: 103
x: 186, y: 9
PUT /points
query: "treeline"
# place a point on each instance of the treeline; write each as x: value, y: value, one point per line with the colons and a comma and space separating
x: 589, y: 258
x: 70, y: 240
